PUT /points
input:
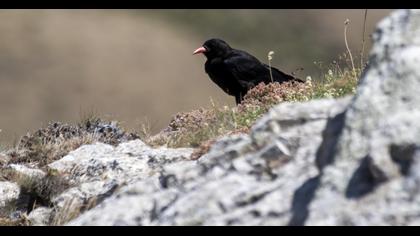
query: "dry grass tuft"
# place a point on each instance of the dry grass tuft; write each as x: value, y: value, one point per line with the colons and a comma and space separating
x: 71, y: 210
x: 195, y: 128
x: 57, y: 140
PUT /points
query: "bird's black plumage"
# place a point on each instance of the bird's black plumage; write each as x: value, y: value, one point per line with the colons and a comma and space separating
x: 236, y: 71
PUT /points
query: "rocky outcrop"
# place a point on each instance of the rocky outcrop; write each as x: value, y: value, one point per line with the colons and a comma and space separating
x: 242, y: 180
x: 97, y: 170
x: 91, y: 173
x: 349, y: 161
x: 316, y: 163
x: 373, y: 176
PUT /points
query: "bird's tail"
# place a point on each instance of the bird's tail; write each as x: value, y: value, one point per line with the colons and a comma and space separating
x: 279, y: 76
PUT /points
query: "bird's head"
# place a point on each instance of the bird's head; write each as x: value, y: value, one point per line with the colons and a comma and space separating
x: 213, y: 48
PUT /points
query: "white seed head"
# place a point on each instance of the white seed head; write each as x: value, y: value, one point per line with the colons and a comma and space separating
x: 347, y: 22
x: 270, y: 55
x: 330, y: 73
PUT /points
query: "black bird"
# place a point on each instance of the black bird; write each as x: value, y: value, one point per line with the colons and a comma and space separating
x: 236, y: 71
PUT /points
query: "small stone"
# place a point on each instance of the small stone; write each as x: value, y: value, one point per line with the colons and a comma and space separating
x: 40, y: 216
x: 9, y: 192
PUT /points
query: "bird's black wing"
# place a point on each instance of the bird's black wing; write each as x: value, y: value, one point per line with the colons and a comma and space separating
x: 246, y: 69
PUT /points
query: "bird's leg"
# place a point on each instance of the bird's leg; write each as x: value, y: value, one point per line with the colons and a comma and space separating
x: 238, y: 98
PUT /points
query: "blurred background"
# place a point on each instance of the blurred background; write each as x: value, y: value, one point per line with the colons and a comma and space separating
x: 136, y: 66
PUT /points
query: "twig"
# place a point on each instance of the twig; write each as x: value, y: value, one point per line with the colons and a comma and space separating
x: 270, y: 57
x: 363, y: 40
x: 346, y: 23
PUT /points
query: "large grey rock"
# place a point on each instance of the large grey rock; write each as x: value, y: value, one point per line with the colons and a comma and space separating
x: 26, y: 172
x: 243, y: 180
x: 126, y: 162
x: 373, y: 178
x: 95, y: 171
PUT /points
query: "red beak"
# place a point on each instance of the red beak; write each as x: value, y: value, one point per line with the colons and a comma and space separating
x: 200, y: 50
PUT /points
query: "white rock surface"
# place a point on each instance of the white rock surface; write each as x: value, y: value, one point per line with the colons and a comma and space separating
x: 97, y: 170
x: 8, y: 192
x: 241, y: 181
x: 373, y: 179
x: 27, y: 171
x: 316, y: 163
x: 40, y: 216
